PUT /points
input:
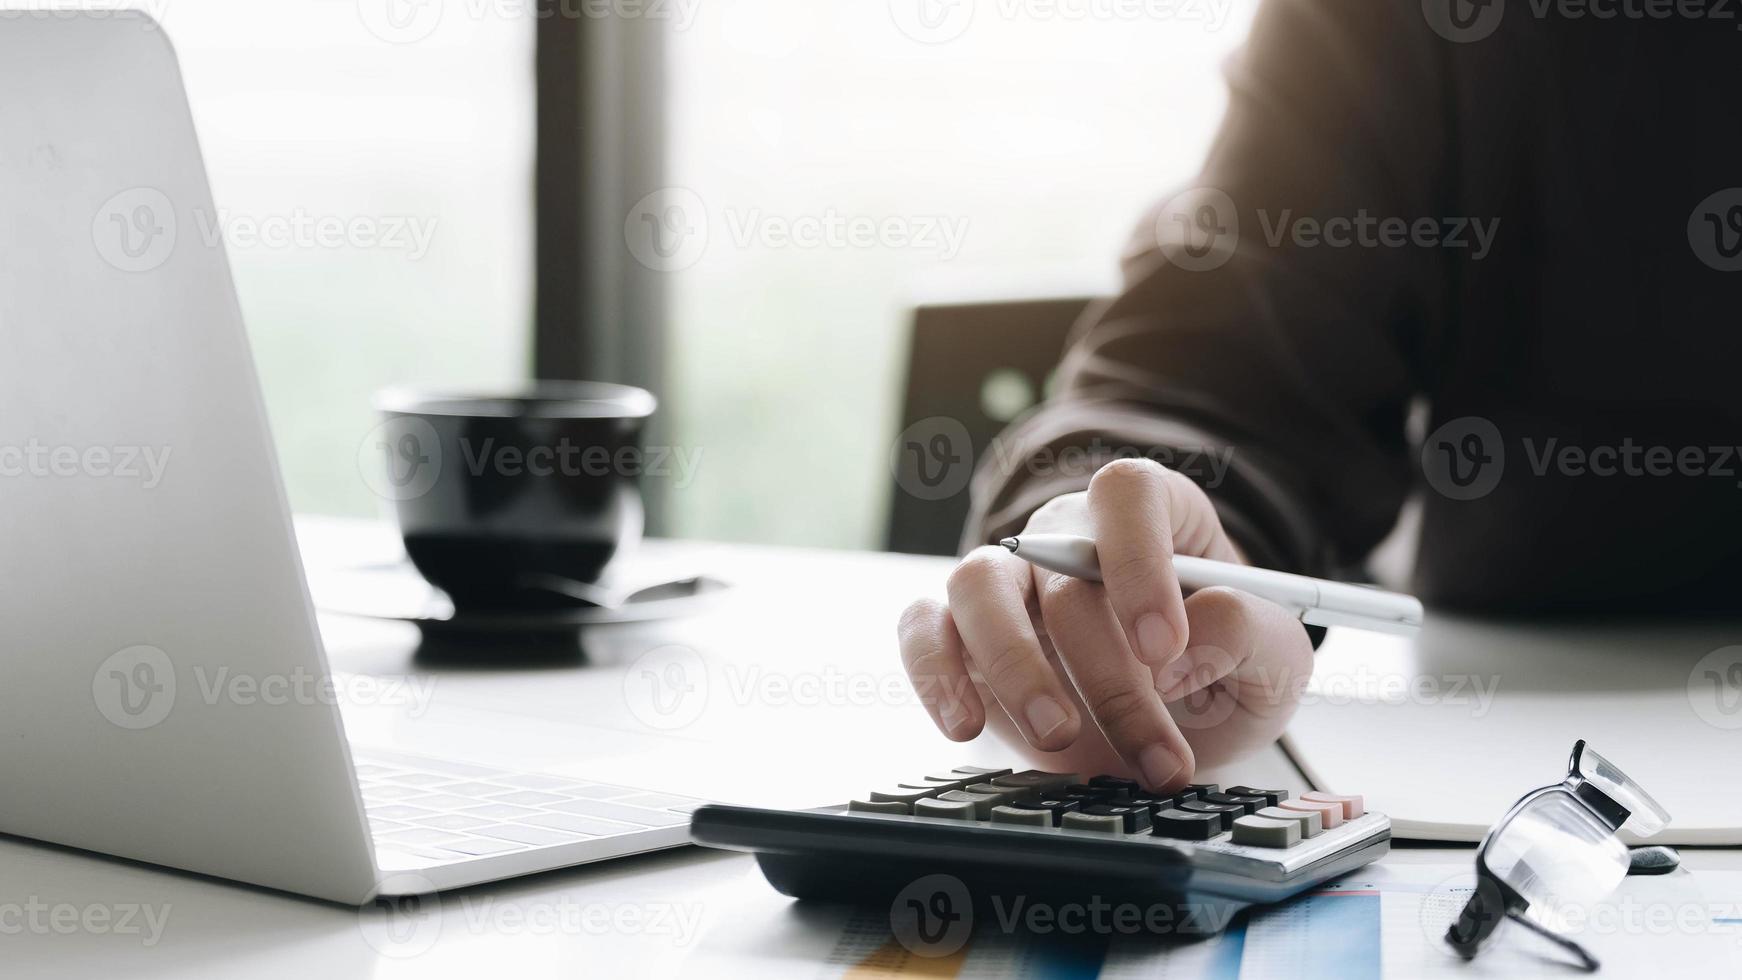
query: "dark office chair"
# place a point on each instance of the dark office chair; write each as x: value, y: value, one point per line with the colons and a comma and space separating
x: 971, y: 368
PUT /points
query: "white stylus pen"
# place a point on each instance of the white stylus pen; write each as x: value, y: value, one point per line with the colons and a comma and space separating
x: 1316, y: 601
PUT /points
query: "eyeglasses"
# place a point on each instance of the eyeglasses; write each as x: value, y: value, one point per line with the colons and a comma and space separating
x: 1556, y: 847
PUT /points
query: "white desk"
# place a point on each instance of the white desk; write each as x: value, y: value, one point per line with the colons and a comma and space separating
x: 800, y: 664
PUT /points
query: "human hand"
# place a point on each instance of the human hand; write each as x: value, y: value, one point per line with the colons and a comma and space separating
x: 1165, y: 684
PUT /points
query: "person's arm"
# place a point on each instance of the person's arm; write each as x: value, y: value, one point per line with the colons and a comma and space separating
x: 1299, y: 361
x: 1279, y: 379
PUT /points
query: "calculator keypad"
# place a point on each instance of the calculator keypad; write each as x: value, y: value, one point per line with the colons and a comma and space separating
x: 1115, y: 806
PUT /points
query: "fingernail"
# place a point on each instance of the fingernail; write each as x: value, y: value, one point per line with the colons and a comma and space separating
x: 1159, y: 766
x: 1154, y: 638
x: 952, y: 714
x: 1045, y: 715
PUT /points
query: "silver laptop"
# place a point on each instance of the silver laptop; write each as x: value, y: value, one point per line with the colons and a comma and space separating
x: 146, y: 542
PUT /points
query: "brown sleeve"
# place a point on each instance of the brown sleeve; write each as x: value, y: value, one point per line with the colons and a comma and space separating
x: 1280, y: 378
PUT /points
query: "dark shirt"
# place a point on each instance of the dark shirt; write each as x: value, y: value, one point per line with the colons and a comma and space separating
x: 1600, y: 317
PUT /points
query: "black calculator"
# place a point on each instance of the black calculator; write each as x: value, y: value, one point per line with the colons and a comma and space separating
x: 1008, y: 837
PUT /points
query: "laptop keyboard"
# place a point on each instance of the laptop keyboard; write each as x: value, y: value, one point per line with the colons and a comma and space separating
x: 452, y: 811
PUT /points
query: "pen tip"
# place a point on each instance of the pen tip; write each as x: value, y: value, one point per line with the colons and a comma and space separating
x: 1010, y: 543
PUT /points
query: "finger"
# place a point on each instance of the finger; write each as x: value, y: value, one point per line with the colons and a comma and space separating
x: 1131, y: 507
x: 1254, y: 650
x: 1118, y: 690
x: 931, y: 651
x: 989, y: 595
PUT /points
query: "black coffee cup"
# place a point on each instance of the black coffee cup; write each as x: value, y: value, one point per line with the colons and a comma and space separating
x: 496, y: 491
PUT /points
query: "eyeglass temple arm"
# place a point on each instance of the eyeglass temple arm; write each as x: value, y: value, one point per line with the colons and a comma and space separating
x: 1587, y: 962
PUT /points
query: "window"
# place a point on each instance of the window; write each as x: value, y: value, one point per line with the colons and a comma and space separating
x: 848, y: 160
x: 852, y: 159
x: 373, y: 183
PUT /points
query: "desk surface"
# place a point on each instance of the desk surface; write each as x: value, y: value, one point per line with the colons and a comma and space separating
x: 804, y: 705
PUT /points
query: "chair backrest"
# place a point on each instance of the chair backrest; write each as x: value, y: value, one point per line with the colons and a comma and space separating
x: 972, y: 367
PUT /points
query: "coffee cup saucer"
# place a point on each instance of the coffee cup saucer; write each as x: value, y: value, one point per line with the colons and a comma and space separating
x: 394, y: 591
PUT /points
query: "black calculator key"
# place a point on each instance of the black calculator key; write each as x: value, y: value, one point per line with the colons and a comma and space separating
x: 1192, y: 792
x: 1154, y: 804
x: 1186, y: 824
x: 1199, y: 789
x: 1087, y: 792
x: 1132, y: 819
x: 1252, y: 804
x: 1058, y: 808
x: 1227, y: 812
x: 1124, y: 787
x: 1274, y: 796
